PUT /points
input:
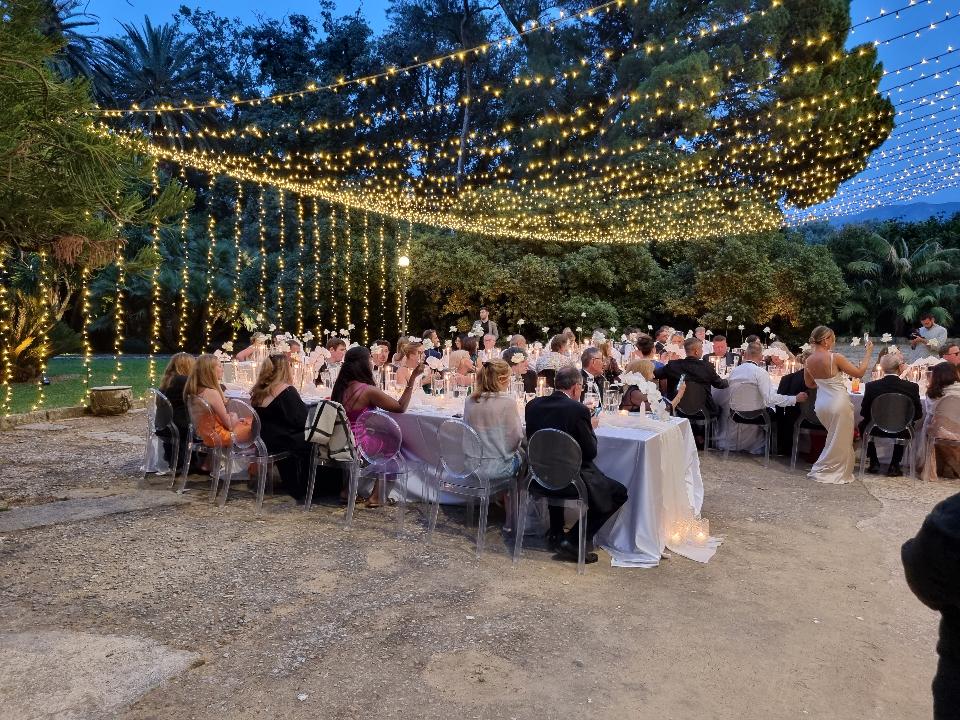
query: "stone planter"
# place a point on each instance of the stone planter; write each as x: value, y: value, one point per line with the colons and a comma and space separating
x: 111, y: 399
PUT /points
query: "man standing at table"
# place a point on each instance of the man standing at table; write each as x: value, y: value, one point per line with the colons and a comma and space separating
x: 929, y: 338
x: 563, y: 411
x: 892, y: 365
x: 488, y: 326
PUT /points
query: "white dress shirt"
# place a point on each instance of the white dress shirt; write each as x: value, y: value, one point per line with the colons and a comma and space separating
x: 749, y: 373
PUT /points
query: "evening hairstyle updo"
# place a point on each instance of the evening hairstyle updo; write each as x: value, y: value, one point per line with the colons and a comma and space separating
x: 820, y: 334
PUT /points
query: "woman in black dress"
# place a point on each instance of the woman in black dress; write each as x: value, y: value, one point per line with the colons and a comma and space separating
x: 172, y: 383
x: 283, y: 418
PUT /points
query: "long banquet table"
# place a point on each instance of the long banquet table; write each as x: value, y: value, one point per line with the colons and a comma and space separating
x: 656, y: 461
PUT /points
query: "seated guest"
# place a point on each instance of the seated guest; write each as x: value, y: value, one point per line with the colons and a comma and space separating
x: 556, y: 357
x: 701, y: 334
x: 592, y: 362
x: 662, y: 338
x: 951, y: 354
x: 891, y: 365
x: 676, y: 340
x: 336, y: 347
x: 381, y: 355
x: 751, y: 339
x: 401, y: 351
x: 462, y: 368
x: 489, y: 351
x: 436, y: 351
x: 519, y: 364
x: 413, y: 357
x: 647, y: 349
x: 356, y: 390
x: 790, y: 384
x: 611, y: 361
x: 470, y: 345
x: 283, y: 417
x: 931, y: 562
x: 696, y: 370
x: 458, y: 341
x: 492, y: 411
x: 295, y: 351
x: 722, y: 351
x: 946, y: 459
x: 751, y: 372
x: 563, y: 411
x: 257, y: 346
x: 171, y: 385
x: 633, y: 397
x: 204, y: 382
x: 518, y: 341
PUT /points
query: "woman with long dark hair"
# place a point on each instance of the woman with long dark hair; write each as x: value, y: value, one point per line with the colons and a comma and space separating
x: 356, y: 390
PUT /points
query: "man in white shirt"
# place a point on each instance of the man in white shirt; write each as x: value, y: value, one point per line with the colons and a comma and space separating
x: 929, y: 338
x: 489, y: 351
x: 750, y: 372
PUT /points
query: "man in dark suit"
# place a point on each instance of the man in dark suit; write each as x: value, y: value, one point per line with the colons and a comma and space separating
x: 695, y: 369
x: 790, y: 384
x: 892, y: 365
x: 592, y: 362
x: 563, y: 411
x: 722, y: 350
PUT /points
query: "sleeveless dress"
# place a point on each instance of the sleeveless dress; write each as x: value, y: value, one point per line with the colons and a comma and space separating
x: 835, y: 410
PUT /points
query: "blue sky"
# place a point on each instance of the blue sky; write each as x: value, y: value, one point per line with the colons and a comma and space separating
x: 894, y: 55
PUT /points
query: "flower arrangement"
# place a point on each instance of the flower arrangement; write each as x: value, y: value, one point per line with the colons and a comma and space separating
x: 520, y: 322
x: 886, y: 337
x: 434, y: 364
x: 854, y: 341
x: 221, y: 356
x: 776, y: 352
x: 428, y: 344
x: 228, y: 346
x: 546, y: 330
x: 453, y: 328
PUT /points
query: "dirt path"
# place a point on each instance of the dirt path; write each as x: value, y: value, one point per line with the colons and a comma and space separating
x: 802, y: 613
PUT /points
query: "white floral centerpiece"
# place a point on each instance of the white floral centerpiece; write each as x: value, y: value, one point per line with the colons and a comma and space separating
x: 434, y: 364
x: 776, y: 352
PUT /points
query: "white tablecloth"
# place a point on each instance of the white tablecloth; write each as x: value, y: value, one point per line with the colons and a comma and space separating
x: 656, y: 462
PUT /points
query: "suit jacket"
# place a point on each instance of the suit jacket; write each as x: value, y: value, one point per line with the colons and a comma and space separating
x: 728, y: 357
x: 697, y: 371
x: 599, y: 380
x: 889, y: 384
x: 792, y: 384
x: 559, y: 412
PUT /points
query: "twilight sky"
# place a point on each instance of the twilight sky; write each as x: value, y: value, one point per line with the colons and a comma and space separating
x: 884, y: 185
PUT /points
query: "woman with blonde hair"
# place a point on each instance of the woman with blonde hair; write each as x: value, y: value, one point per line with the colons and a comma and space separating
x: 172, y: 383
x: 611, y: 367
x: 833, y: 406
x: 462, y: 368
x: 204, y: 383
x: 283, y: 418
x: 492, y: 412
x: 412, y: 356
x: 633, y: 397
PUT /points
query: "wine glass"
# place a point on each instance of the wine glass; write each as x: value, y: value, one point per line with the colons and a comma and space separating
x: 591, y: 400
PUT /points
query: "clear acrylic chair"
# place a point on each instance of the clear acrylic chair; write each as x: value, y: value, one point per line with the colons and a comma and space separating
x: 553, y: 461
x: 891, y: 415
x: 161, y: 430
x: 332, y: 444
x: 807, y: 423
x: 205, y: 443
x: 693, y: 407
x: 748, y: 407
x: 251, y: 452
x: 461, y: 472
x: 379, y: 441
x: 943, y: 429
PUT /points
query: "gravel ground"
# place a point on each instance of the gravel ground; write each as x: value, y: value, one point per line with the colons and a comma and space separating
x: 802, y: 613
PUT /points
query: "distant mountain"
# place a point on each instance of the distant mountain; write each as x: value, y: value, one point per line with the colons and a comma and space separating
x: 912, y: 212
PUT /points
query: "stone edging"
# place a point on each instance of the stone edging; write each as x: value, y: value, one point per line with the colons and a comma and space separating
x: 73, y: 411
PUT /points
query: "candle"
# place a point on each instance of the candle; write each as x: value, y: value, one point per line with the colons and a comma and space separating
x: 541, y: 386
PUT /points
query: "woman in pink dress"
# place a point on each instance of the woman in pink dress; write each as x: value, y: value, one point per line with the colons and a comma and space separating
x: 357, y: 391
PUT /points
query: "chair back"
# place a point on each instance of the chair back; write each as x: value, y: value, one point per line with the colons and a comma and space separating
x: 694, y: 399
x: 203, y: 421
x: 330, y: 430
x: 244, y: 410
x: 548, y: 374
x: 460, y: 450
x: 892, y: 413
x: 745, y: 398
x: 807, y: 415
x: 379, y: 437
x: 554, y: 458
x: 947, y: 410
x: 160, y: 410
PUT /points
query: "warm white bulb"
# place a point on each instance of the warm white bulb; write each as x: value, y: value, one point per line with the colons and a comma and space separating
x: 403, y: 261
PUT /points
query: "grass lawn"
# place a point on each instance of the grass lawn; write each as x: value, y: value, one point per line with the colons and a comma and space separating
x: 66, y: 375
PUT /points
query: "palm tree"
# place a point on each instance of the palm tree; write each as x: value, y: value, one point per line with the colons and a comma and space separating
x: 65, y: 22
x: 151, y: 67
x: 892, y: 284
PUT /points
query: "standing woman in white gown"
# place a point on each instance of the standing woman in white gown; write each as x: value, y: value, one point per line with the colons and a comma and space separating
x: 833, y: 407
